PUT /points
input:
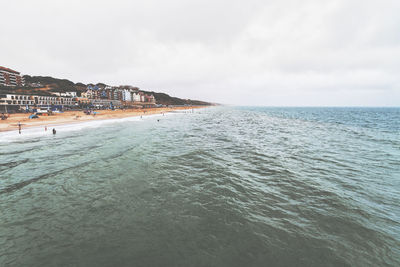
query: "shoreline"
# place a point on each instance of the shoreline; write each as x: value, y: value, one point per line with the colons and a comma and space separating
x: 75, y: 117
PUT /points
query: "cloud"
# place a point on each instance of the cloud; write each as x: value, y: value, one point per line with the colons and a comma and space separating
x: 255, y: 52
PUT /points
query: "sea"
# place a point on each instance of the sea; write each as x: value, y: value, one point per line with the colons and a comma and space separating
x: 218, y: 186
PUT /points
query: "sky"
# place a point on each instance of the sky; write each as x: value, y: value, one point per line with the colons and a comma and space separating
x: 253, y: 52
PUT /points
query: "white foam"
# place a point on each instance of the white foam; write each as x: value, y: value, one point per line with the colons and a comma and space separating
x: 34, y: 132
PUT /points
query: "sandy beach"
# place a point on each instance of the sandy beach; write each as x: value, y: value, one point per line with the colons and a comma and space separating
x: 69, y: 117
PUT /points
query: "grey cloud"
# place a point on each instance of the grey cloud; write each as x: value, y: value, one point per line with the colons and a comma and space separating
x: 240, y: 52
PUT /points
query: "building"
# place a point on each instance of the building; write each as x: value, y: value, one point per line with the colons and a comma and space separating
x: 92, y: 94
x: 83, y: 100
x: 135, y: 97
x: 66, y: 94
x: 126, y: 95
x: 34, y: 85
x: 9, y: 77
x: 150, y: 99
x: 114, y: 94
x: 16, y: 102
x: 20, y: 100
x: 106, y: 103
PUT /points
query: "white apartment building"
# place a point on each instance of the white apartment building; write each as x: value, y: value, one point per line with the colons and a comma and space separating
x: 66, y: 94
x: 135, y: 97
x: 126, y: 95
x: 34, y: 100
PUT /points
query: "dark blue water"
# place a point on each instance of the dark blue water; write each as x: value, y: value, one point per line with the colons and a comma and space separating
x: 224, y: 186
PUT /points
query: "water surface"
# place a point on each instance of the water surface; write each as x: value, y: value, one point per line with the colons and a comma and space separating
x: 224, y: 186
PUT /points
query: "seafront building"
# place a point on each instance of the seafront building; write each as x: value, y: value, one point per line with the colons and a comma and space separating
x: 66, y: 94
x: 9, y: 77
x: 126, y: 94
x: 106, y: 103
x: 95, y: 96
x: 15, y: 102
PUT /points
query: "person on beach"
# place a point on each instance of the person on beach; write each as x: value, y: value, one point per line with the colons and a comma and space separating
x: 45, y: 128
x: 54, y: 131
x: 19, y: 127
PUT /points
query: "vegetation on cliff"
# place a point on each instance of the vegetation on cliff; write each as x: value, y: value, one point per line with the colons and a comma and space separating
x: 44, y: 85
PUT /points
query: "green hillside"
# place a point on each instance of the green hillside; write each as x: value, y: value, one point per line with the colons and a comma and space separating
x: 50, y: 84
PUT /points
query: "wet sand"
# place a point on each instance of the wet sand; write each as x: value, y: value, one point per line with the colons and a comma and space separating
x: 79, y: 116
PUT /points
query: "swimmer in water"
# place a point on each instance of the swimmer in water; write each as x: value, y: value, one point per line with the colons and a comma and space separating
x: 54, y: 131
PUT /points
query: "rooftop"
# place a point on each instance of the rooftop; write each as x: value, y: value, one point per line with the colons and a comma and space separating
x: 9, y: 70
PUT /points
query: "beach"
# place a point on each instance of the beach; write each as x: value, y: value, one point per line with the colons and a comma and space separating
x: 69, y: 117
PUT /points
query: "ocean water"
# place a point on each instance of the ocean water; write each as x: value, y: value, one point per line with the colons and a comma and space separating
x: 223, y: 186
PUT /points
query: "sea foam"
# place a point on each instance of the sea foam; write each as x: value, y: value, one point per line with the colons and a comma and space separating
x: 34, y: 132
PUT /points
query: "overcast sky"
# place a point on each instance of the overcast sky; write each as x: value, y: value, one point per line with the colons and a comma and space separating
x: 248, y: 52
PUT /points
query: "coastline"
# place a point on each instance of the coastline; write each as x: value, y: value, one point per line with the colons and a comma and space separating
x: 72, y: 117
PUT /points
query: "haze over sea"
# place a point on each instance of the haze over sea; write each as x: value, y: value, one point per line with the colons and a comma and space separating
x: 223, y: 186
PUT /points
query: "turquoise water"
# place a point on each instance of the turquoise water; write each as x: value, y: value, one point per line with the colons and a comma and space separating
x: 225, y: 186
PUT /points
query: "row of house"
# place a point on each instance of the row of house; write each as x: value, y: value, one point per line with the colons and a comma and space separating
x: 100, y: 96
x: 15, y: 102
x: 121, y: 93
x: 66, y: 94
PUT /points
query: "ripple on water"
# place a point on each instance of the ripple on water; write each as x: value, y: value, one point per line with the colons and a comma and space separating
x: 224, y: 187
